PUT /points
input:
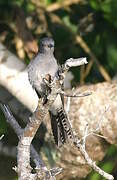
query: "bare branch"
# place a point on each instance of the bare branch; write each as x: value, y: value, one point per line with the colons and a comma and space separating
x: 87, y: 49
x: 92, y: 163
x: 73, y: 95
x: 40, y: 166
x: 95, y: 131
x: 55, y: 6
x: 81, y: 146
x: 1, y: 136
x: 29, y: 133
x: 75, y: 62
x: 68, y: 105
x: 14, y: 124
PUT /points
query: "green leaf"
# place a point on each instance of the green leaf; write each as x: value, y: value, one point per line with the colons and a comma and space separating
x: 95, y: 176
x: 95, y: 4
x: 112, y: 150
x: 66, y: 20
x: 108, y: 166
x: 30, y: 7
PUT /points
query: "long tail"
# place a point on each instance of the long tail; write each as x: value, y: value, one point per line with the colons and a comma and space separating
x: 61, y: 127
x: 62, y: 117
x: 59, y: 134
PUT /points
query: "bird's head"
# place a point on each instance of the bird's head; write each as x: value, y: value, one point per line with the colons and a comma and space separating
x: 47, y: 45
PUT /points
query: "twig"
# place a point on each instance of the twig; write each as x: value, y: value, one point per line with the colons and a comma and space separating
x: 94, y: 131
x: 88, y: 68
x: 82, y: 74
x: 85, y: 136
x: 14, y: 124
x: 83, y: 44
x: 75, y: 62
x: 85, y: 71
x: 68, y: 104
x: 92, y: 163
x: 56, y: 6
x: 81, y: 146
x: 76, y: 95
x: 101, y: 118
x: 1, y: 136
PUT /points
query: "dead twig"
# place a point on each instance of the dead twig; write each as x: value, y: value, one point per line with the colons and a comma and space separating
x: 86, y: 48
x: 91, y: 163
x: 57, y: 5
x: 76, y: 95
x: 1, y: 136
x: 88, y: 68
x: 18, y: 130
x: 81, y: 145
x: 66, y: 3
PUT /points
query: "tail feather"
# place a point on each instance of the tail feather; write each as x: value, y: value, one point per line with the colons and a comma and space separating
x: 65, y: 122
x: 59, y: 134
x: 61, y: 127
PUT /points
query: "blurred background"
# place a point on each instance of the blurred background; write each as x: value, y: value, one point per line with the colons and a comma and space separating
x: 80, y: 28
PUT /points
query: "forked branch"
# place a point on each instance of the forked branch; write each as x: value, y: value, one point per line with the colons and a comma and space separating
x: 26, y: 136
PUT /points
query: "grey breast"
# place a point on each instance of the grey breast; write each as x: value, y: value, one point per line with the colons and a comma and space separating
x: 39, y: 68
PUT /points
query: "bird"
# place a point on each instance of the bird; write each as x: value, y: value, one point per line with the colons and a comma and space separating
x: 42, y: 65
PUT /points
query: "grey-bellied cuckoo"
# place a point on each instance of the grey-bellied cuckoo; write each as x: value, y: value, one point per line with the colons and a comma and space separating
x: 45, y: 63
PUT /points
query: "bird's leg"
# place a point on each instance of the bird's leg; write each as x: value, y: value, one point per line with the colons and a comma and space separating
x: 44, y: 99
x: 47, y: 80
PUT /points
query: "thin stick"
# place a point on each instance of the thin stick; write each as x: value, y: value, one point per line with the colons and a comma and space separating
x: 1, y: 136
x: 75, y: 95
x: 86, y: 48
x: 68, y: 104
x: 18, y: 130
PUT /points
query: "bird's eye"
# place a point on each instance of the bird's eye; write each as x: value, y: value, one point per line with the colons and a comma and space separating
x: 50, y: 45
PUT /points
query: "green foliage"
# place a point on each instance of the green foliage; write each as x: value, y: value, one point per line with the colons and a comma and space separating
x: 108, y: 8
x: 107, y: 164
x: 107, y: 167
